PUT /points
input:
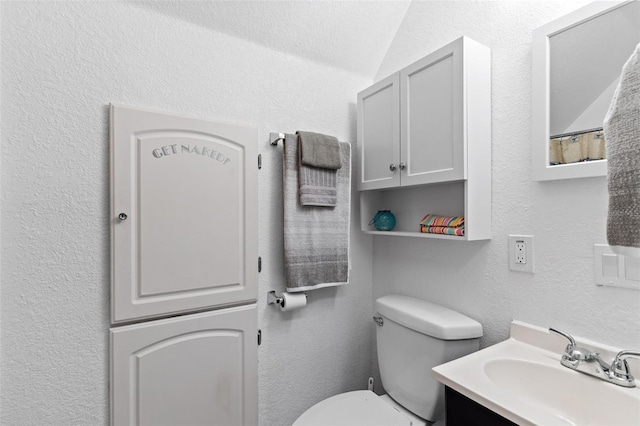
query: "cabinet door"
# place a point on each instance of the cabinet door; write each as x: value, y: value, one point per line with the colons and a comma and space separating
x: 183, y: 214
x: 432, y: 147
x: 198, y: 369
x: 379, y: 134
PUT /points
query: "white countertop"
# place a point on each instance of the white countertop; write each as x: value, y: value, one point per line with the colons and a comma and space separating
x: 522, y: 379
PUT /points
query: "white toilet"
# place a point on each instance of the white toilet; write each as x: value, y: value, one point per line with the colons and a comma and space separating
x: 413, y: 336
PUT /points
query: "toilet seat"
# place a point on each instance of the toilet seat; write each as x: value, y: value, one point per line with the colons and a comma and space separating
x: 357, y: 408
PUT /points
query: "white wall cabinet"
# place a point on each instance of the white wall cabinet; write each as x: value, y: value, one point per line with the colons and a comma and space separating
x: 184, y: 239
x: 424, y: 142
x: 184, y: 214
x: 198, y: 369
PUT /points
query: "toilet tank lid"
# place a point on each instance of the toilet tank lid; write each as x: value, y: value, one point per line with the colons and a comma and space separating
x: 428, y: 318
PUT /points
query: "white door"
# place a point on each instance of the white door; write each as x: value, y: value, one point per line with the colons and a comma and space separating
x: 183, y: 214
x: 198, y: 369
x: 432, y: 146
x: 379, y: 134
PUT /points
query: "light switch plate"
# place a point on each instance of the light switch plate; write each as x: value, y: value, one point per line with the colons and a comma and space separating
x: 615, y: 270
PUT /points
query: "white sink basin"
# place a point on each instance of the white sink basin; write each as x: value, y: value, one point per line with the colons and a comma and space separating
x: 573, y: 397
x: 523, y: 380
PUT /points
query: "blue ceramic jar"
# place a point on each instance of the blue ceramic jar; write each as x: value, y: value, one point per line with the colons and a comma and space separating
x: 384, y: 220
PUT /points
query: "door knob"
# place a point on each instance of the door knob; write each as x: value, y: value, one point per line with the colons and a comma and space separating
x: 392, y: 167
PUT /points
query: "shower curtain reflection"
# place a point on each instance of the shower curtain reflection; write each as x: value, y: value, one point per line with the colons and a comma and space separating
x: 577, y: 147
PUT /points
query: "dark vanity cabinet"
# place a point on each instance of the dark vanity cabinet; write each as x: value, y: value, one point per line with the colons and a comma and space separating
x: 462, y: 411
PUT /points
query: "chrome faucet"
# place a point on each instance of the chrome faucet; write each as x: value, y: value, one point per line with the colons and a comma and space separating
x: 588, y: 362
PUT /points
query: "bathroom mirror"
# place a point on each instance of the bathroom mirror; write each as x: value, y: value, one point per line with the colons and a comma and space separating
x: 577, y: 61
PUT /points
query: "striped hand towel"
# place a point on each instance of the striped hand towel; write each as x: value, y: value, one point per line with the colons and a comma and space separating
x: 449, y: 225
x: 435, y: 220
x: 319, y: 159
x: 447, y: 230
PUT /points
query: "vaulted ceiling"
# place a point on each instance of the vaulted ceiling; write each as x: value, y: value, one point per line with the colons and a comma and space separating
x: 351, y: 35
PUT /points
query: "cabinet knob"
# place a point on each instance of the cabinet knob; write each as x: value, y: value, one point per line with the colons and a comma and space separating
x: 122, y: 216
x: 392, y: 167
x: 402, y: 166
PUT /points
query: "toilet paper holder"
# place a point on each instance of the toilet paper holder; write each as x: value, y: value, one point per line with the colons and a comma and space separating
x: 272, y: 298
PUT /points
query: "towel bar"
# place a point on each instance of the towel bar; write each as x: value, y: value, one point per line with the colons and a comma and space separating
x: 275, y: 137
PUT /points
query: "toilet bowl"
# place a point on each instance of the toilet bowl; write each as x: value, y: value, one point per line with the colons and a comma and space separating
x: 356, y: 408
x: 360, y: 408
x: 413, y: 336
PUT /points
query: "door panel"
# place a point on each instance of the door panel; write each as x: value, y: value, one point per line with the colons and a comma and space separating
x: 198, y: 369
x: 379, y: 134
x: 431, y: 117
x: 188, y: 189
x: 432, y: 111
x: 187, y: 240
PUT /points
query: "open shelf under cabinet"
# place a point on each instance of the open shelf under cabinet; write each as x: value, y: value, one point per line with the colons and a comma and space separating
x: 410, y: 204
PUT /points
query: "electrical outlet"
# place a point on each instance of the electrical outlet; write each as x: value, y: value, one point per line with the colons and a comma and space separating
x: 521, y: 253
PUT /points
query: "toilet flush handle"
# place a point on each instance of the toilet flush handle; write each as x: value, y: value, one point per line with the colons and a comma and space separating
x: 378, y: 321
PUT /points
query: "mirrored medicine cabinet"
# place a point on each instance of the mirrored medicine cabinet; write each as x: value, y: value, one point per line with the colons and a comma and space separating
x: 577, y: 61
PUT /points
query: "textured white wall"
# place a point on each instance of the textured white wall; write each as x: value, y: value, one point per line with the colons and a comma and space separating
x: 566, y: 217
x: 62, y: 63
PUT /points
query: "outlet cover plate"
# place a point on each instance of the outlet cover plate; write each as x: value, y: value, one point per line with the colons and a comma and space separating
x: 528, y: 242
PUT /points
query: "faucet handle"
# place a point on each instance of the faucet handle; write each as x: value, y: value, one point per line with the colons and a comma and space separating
x: 572, y: 343
x: 619, y: 370
x: 619, y: 366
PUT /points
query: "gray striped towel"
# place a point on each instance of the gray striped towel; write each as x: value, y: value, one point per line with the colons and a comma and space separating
x: 317, y: 186
x: 316, y: 240
x: 317, y: 179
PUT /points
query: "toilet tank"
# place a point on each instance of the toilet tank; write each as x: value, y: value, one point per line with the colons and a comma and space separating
x: 416, y: 336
